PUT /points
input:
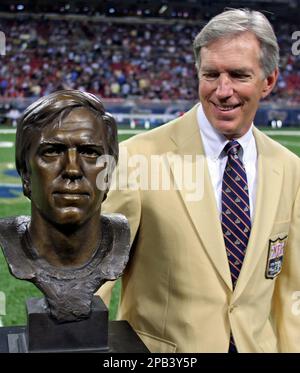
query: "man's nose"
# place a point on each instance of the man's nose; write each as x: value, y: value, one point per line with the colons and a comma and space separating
x: 224, y: 88
x: 72, y: 168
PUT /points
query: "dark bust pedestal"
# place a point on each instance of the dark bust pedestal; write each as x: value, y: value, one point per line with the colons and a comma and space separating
x: 95, y: 334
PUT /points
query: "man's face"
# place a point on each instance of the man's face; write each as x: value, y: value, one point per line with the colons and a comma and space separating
x: 63, y: 169
x: 231, y: 83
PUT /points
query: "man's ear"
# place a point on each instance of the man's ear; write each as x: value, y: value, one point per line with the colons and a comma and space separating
x: 269, y: 83
x: 26, y: 185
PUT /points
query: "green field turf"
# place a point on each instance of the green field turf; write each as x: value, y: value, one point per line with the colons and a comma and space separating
x: 19, y: 291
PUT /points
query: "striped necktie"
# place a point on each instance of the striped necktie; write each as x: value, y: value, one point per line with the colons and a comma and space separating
x: 236, y: 222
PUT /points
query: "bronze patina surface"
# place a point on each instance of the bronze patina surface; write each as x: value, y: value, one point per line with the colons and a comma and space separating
x: 66, y: 248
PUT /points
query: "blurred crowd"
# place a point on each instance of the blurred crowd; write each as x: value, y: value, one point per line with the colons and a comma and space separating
x: 116, y: 60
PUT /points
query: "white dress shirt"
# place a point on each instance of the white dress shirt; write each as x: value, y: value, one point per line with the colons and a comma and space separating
x: 214, y: 143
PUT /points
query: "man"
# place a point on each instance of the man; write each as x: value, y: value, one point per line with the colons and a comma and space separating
x: 221, y: 273
x: 64, y: 142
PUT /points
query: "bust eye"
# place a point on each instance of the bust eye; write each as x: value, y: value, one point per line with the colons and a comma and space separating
x: 52, y: 151
x: 89, y: 152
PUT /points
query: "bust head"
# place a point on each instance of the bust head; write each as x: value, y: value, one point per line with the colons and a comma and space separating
x: 59, y: 141
x: 64, y: 141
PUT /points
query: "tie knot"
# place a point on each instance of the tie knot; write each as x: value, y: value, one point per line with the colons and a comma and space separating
x: 232, y: 147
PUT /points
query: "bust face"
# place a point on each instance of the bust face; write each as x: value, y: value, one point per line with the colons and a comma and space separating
x: 63, y: 169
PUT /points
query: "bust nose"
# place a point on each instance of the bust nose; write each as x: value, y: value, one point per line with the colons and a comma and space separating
x: 72, y: 168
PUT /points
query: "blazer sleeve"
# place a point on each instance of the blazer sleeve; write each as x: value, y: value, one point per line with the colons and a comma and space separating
x: 122, y: 198
x: 286, y: 298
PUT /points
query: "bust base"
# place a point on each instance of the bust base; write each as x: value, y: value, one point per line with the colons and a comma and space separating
x: 43, y: 334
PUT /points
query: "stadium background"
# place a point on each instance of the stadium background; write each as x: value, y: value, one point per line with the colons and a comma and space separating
x: 138, y: 57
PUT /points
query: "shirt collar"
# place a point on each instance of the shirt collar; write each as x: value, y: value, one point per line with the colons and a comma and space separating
x: 213, y: 141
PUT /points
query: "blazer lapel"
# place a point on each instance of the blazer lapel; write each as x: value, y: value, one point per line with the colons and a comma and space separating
x: 203, y: 213
x: 270, y: 175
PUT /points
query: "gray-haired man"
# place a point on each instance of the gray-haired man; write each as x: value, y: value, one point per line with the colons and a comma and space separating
x: 218, y: 274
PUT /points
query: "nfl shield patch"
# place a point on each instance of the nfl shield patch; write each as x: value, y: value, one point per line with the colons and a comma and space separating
x: 275, y: 257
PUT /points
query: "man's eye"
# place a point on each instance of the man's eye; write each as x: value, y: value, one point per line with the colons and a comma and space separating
x: 210, y: 75
x: 240, y: 76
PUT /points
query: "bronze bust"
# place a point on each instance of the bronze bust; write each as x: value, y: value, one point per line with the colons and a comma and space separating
x: 67, y: 249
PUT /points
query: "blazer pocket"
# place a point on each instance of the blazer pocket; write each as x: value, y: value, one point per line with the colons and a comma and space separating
x: 156, y: 344
x: 269, y: 346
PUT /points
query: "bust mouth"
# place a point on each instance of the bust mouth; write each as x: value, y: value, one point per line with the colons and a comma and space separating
x: 72, y: 197
x: 71, y: 192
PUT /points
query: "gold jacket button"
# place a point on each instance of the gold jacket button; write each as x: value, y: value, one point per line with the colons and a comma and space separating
x: 231, y: 308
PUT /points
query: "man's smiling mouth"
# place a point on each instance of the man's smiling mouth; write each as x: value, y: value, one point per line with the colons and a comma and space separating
x: 225, y: 108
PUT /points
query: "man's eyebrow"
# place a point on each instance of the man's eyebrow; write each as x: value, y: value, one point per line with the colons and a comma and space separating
x: 206, y: 69
x: 240, y: 70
